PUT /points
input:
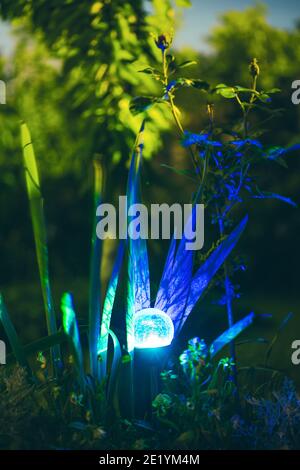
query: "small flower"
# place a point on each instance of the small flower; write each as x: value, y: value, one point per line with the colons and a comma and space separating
x: 226, y: 362
x: 163, y: 41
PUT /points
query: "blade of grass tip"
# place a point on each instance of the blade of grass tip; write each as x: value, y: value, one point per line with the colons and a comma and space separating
x: 230, y: 334
x: 71, y: 329
x: 95, y: 282
x: 108, y: 308
x: 40, y: 238
x: 12, y: 336
x: 282, y: 325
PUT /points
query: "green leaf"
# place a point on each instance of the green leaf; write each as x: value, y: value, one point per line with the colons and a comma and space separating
x: 141, y: 103
x: 187, y: 63
x: 72, y: 331
x: 225, y: 91
x: 12, y: 336
x: 43, y: 344
x: 241, y: 89
x: 39, y: 231
x: 264, y: 97
x: 108, y: 308
x: 153, y: 72
x: 200, y: 84
x: 272, y: 91
x: 195, y: 83
x: 112, y: 382
x: 95, y: 284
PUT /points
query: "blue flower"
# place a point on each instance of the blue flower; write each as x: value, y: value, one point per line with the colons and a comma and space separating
x: 198, y: 139
x: 241, y: 143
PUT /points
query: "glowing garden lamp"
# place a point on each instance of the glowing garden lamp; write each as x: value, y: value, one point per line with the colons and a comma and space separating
x: 152, y: 329
x: 155, y: 325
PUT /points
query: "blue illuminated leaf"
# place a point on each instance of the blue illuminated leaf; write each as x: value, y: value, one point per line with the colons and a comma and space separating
x: 208, y: 269
x: 179, y: 284
x: 230, y: 334
x: 275, y: 153
x: 269, y: 195
x: 163, y: 291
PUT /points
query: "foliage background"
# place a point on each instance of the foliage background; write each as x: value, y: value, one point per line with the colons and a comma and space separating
x: 71, y: 76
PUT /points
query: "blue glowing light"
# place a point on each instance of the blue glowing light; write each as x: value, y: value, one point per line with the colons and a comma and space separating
x: 152, y: 329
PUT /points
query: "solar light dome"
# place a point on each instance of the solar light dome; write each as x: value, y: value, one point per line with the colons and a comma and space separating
x: 152, y: 329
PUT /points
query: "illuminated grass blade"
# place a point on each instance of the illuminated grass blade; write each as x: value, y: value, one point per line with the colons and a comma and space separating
x: 108, y: 307
x: 12, y: 336
x: 208, y: 269
x: 138, y: 295
x: 230, y: 334
x: 39, y: 231
x: 71, y: 329
x: 95, y: 282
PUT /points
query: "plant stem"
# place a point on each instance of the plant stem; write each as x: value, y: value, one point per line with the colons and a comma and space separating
x: 247, y: 111
x: 174, y: 112
x: 228, y: 303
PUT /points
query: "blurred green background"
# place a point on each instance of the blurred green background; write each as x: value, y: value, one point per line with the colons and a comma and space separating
x: 71, y: 69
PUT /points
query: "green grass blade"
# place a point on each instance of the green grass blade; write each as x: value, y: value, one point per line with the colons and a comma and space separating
x: 39, y: 231
x: 12, y: 336
x: 71, y: 329
x: 108, y: 307
x: 41, y: 345
x: 95, y: 282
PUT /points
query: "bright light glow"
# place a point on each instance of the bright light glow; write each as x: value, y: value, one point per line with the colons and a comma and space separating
x: 152, y: 329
